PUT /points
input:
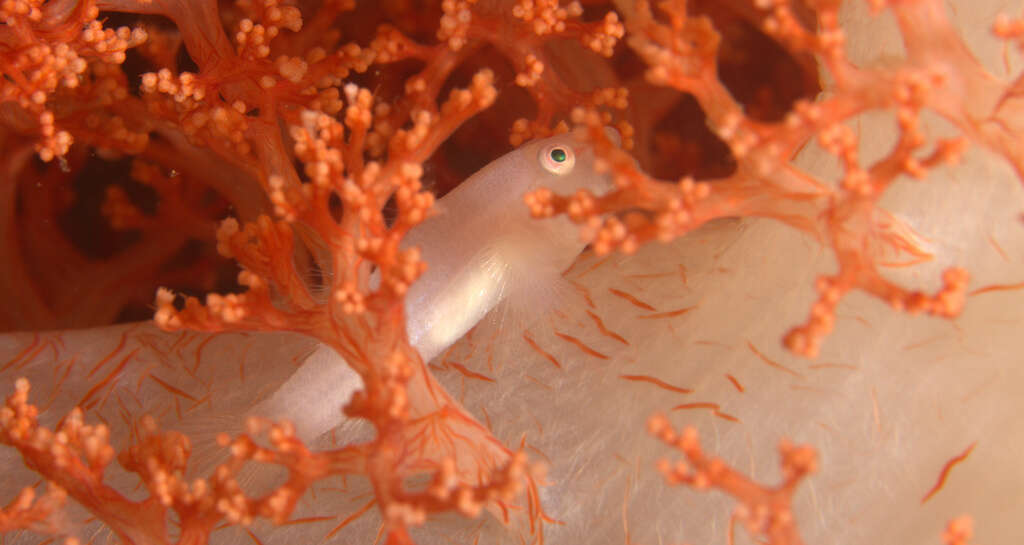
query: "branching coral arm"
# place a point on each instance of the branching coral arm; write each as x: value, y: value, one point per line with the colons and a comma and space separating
x: 199, y: 23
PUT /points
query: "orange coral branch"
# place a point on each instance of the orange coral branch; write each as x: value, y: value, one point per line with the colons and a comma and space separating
x: 765, y: 511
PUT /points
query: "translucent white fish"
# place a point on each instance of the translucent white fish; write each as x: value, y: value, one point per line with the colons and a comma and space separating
x: 481, y: 249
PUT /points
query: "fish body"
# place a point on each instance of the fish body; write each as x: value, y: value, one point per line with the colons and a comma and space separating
x: 481, y: 248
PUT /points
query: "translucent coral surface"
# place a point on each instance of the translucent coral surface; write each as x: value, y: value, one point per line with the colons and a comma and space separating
x: 797, y: 319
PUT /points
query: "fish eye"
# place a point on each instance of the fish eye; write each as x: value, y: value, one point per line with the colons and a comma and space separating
x: 557, y: 159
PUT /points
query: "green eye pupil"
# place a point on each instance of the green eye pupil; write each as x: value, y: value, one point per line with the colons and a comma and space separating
x: 558, y: 155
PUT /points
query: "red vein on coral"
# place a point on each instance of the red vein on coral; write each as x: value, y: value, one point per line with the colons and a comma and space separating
x: 657, y: 382
x: 946, y: 468
x: 579, y: 344
x: 632, y: 299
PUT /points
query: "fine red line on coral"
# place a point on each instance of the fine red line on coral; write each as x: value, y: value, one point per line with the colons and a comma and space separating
x: 468, y: 373
x: 632, y: 299
x: 772, y: 363
x: 726, y: 416
x: 657, y: 382
x: 944, y: 474
x: 110, y: 356
x: 170, y: 388
x: 667, y: 314
x: 604, y: 330
x: 584, y: 292
x: 533, y: 344
x: 698, y: 405
x: 579, y: 344
x: 86, y: 402
x: 16, y: 358
x: 735, y: 383
x: 996, y: 287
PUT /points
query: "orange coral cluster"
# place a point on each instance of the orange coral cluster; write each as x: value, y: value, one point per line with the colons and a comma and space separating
x: 306, y: 119
x: 765, y: 511
x: 683, y: 54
